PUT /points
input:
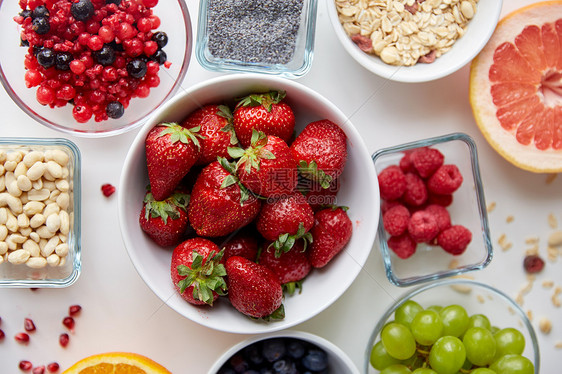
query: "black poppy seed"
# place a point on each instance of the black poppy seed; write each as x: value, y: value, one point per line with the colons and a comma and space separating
x: 253, y: 31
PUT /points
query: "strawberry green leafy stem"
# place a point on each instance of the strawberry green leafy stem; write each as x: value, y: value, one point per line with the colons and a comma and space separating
x: 265, y: 99
x: 311, y: 171
x: 165, y: 208
x: 225, y: 113
x: 291, y: 287
x: 285, y: 241
x: 180, y: 133
x: 231, y: 179
x: 250, y: 157
x: 204, y: 276
x: 277, y: 315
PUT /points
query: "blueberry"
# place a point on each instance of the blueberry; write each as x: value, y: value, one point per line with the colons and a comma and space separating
x: 46, y: 58
x: 105, y: 56
x: 160, y: 56
x: 284, y: 366
x: 315, y: 360
x: 295, y: 349
x: 41, y: 25
x: 160, y: 38
x: 136, y: 68
x: 273, y: 349
x: 266, y: 371
x: 25, y: 13
x: 238, y: 363
x: 62, y: 60
x: 114, y: 109
x: 82, y: 10
x: 252, y: 352
x: 226, y: 370
x: 251, y: 371
x: 40, y: 12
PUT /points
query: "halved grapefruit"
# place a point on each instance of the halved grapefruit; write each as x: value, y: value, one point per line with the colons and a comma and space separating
x: 116, y: 363
x: 516, y: 88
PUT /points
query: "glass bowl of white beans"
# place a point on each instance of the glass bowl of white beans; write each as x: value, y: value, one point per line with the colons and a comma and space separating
x: 39, y: 212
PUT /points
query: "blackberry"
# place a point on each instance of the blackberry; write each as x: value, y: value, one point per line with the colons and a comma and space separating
x: 41, y: 25
x: 105, y: 56
x: 40, y: 12
x: 136, y: 68
x: 114, y: 109
x: 62, y: 60
x: 82, y: 10
x: 46, y: 58
x: 161, y: 38
x: 160, y: 57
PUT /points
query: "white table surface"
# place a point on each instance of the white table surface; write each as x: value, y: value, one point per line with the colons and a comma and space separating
x: 120, y: 313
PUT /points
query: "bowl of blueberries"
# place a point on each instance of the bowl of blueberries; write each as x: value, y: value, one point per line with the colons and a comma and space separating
x: 285, y: 352
x: 93, y: 68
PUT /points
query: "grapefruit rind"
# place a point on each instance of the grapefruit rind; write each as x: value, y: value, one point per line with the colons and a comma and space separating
x: 526, y: 157
x: 114, y: 358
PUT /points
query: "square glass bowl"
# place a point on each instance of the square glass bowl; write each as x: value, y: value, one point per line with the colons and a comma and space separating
x: 45, y: 234
x: 228, y: 27
x: 430, y: 262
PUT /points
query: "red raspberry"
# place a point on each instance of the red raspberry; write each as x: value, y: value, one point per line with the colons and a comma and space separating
x: 396, y: 219
x: 426, y: 161
x: 455, y: 239
x: 443, y: 200
x: 392, y: 183
x: 416, y: 192
x: 423, y: 227
x: 441, y: 216
x: 404, y: 246
x: 533, y: 264
x: 406, y: 164
x: 446, y: 180
x: 387, y: 205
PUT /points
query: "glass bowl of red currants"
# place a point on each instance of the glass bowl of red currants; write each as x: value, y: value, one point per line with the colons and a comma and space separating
x: 453, y: 326
x: 93, y: 68
x: 433, y: 222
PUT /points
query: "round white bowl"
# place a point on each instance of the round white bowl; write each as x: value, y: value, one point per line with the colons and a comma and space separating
x: 339, y: 362
x: 359, y: 191
x: 478, y: 33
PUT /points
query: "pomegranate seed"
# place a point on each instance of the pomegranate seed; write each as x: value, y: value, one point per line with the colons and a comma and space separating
x: 21, y: 337
x: 25, y: 365
x: 68, y: 322
x: 2, y: 335
x: 533, y: 264
x: 28, y: 325
x: 53, y: 367
x: 64, y: 339
x: 107, y: 189
x: 74, y: 309
x: 38, y: 369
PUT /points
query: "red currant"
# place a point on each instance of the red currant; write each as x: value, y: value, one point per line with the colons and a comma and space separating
x: 45, y: 95
x: 82, y: 113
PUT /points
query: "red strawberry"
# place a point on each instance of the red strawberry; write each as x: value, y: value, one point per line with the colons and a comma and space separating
x: 321, y: 151
x: 285, y: 220
x: 165, y: 221
x: 317, y: 196
x: 253, y: 289
x: 217, y: 131
x: 243, y: 244
x: 267, y: 167
x: 266, y: 112
x: 219, y: 205
x: 290, y: 267
x: 331, y: 232
x: 171, y: 150
x: 197, y: 271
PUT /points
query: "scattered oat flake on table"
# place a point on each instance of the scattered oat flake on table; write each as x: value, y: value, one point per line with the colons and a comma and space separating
x: 558, y: 345
x: 480, y: 299
x: 530, y: 315
x: 509, y: 219
x: 454, y: 264
x: 547, y: 284
x: 552, y: 221
x: 532, y: 240
x: 555, y: 239
x: 533, y: 251
x: 545, y: 325
x: 552, y: 253
x: 490, y: 208
x: 504, y: 243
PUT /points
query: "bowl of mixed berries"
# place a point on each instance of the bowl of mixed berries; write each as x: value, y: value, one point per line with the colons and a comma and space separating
x: 93, y: 67
x: 249, y: 203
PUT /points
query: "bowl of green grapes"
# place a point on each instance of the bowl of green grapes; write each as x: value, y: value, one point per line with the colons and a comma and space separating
x: 455, y: 326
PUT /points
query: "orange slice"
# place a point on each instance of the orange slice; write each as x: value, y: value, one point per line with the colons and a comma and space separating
x: 116, y: 363
x: 516, y: 88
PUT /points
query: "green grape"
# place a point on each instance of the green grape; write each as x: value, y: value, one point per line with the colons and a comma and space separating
x: 483, y: 371
x: 447, y: 355
x: 424, y: 371
x: 406, y: 312
x: 414, y: 362
x: 398, y: 341
x: 436, y: 308
x: 396, y: 369
x: 509, y: 341
x: 467, y: 364
x: 479, y: 320
x: 380, y: 357
x: 455, y: 320
x: 513, y: 364
x: 495, y: 329
x: 427, y: 327
x: 480, y: 346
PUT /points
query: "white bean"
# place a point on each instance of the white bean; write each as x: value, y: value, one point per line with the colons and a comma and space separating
x: 59, y: 156
x: 23, y: 198
x: 50, y: 185
x: 53, y: 260
x: 12, y: 223
x: 23, y: 183
x: 54, y: 169
x: 17, y: 238
x: 53, y: 222
x: 63, y: 238
x: 62, y: 261
x: 20, y: 169
x: 25, y: 231
x: 37, y: 220
x: 47, y: 176
x: 38, y: 184
x: 19, y: 256
x: 32, y: 247
x: 36, y: 262
x: 54, y: 194
x: 12, y: 245
x: 2, y: 183
x: 3, y: 155
x: 13, y: 188
x: 32, y: 157
x: 3, y: 216
x: 36, y: 171
x: 10, y: 165
x: 51, y: 208
x: 35, y: 237
x: 33, y: 207
x: 14, y: 156
x: 62, y: 250
x: 2, y: 170
x: 62, y: 185
x: 65, y: 172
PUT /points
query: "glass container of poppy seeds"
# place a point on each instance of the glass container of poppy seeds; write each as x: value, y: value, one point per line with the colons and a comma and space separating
x: 261, y: 36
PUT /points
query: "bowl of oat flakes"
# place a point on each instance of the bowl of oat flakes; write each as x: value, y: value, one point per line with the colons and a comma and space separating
x: 414, y: 40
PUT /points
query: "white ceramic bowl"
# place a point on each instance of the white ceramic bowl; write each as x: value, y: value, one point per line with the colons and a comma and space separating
x: 359, y: 191
x: 339, y: 362
x: 478, y: 33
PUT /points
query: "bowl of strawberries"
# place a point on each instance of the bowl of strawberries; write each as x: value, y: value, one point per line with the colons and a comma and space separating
x: 251, y: 203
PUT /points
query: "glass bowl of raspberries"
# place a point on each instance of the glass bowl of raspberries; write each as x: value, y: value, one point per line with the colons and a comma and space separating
x: 433, y: 220
x: 453, y: 326
x: 93, y: 68
x: 260, y: 210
